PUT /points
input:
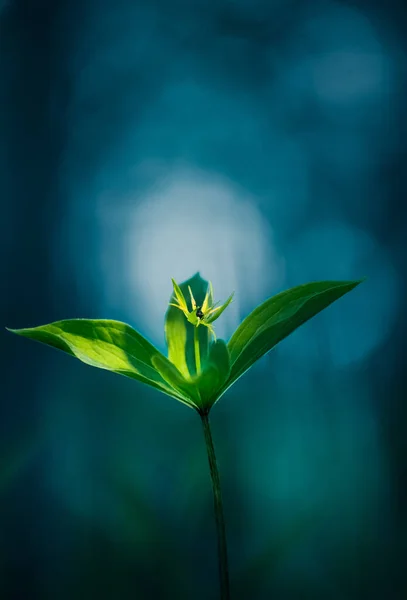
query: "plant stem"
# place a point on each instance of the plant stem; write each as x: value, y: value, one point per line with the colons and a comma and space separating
x: 197, y: 351
x: 218, y: 506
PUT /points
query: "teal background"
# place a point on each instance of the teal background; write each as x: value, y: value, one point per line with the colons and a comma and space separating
x: 263, y: 144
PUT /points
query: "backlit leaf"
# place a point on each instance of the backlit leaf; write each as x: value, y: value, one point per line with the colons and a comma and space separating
x: 276, y: 318
x: 215, y: 372
x: 179, y: 333
x: 105, y: 344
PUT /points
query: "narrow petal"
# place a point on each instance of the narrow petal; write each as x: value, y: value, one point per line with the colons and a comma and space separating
x: 211, y: 296
x: 205, y: 304
x: 186, y: 313
x: 179, y: 296
x: 212, y: 310
x: 176, y: 305
x: 192, y: 298
x: 218, y: 311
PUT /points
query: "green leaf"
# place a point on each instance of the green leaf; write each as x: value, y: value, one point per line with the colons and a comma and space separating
x: 220, y: 357
x: 214, y: 374
x: 105, y: 344
x: 175, y: 379
x: 179, y: 333
x: 276, y: 318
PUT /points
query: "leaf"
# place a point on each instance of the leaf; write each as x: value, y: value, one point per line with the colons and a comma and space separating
x: 105, y: 344
x: 179, y: 333
x: 276, y: 318
x: 176, y: 338
x: 175, y: 379
x: 215, y: 372
x: 219, y: 356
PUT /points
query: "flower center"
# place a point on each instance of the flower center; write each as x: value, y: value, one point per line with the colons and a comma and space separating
x: 199, y: 313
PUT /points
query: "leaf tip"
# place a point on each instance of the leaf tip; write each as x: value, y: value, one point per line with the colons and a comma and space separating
x: 16, y: 331
x: 357, y: 282
x: 24, y: 331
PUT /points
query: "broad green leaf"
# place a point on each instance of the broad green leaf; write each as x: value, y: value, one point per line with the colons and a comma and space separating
x: 215, y: 372
x: 208, y: 382
x: 179, y: 333
x: 176, y: 338
x: 175, y: 379
x: 220, y: 357
x: 276, y: 318
x: 105, y: 344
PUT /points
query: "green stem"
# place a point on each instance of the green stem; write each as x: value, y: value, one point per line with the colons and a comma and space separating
x: 197, y: 351
x: 218, y: 506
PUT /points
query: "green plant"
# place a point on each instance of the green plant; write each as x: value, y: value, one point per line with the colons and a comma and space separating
x: 199, y: 369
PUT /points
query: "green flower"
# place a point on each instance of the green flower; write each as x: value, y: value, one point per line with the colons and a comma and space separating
x: 200, y: 315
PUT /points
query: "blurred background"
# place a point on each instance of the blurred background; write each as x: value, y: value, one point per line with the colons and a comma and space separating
x: 262, y: 143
